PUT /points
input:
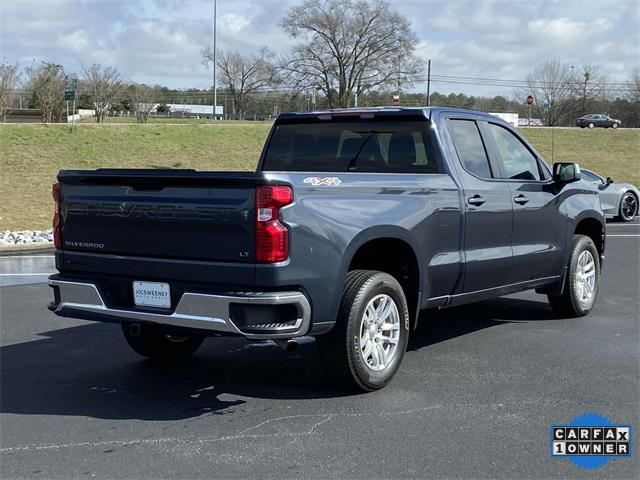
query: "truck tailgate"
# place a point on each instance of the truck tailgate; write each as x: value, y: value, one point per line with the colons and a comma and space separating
x: 179, y: 214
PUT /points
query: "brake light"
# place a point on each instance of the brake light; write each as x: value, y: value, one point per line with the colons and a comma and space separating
x: 272, y: 237
x: 57, y: 229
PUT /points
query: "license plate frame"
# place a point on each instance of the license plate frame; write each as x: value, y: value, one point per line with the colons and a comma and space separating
x: 151, y: 294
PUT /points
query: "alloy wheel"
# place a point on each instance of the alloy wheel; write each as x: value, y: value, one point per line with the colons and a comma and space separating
x: 585, y: 278
x: 379, y: 332
x: 629, y: 206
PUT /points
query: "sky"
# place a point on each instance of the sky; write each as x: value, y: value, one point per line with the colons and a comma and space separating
x: 159, y: 41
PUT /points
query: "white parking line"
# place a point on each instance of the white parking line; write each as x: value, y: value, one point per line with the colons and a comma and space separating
x: 609, y: 225
x: 35, y: 274
x: 629, y: 235
x: 9, y: 257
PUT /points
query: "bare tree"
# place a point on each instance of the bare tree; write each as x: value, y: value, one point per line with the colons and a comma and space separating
x: 142, y: 100
x: 348, y: 46
x: 103, y: 85
x: 591, y: 86
x: 633, y: 94
x: 549, y: 83
x: 8, y: 82
x: 243, y: 75
x: 47, y: 83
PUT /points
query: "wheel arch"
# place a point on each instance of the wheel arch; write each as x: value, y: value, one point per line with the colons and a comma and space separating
x: 593, y: 228
x: 390, y: 250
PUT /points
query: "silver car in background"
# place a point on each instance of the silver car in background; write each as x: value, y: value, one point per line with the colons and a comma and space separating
x: 618, y: 200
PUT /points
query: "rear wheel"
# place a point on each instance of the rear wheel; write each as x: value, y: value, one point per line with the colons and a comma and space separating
x: 582, y: 280
x: 591, y: 125
x: 628, y: 207
x: 160, y: 344
x: 367, y: 344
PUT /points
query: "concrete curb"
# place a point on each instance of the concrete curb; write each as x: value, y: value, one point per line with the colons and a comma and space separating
x: 27, y: 248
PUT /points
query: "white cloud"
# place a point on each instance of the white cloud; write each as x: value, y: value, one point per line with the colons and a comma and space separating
x: 565, y: 31
x: 234, y: 23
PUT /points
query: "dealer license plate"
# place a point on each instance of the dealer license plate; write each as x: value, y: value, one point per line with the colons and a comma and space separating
x: 151, y: 294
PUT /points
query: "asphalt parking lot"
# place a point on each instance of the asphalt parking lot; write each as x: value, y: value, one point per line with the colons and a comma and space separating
x: 478, y: 389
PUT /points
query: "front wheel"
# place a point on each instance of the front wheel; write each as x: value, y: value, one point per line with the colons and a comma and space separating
x: 160, y: 344
x: 367, y: 344
x: 615, y: 125
x: 591, y: 125
x: 582, y: 280
x: 628, y: 207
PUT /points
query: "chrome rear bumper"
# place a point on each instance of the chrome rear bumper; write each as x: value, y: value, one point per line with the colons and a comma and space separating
x: 199, y: 311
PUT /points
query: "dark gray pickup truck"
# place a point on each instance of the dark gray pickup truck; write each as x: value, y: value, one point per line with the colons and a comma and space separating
x: 354, y: 221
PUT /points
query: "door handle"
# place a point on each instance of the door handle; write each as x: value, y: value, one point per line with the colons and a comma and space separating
x: 521, y: 199
x: 476, y: 200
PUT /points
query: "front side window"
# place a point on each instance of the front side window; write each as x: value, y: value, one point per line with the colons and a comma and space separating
x: 590, y: 177
x: 399, y: 146
x: 468, y: 143
x: 516, y: 160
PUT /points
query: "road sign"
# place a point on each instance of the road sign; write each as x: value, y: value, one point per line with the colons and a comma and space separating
x: 530, y: 100
x: 70, y: 95
x: 547, y: 106
x: 70, y: 83
x: 396, y: 100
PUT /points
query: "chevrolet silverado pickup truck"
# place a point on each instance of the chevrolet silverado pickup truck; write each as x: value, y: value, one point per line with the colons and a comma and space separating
x: 354, y: 221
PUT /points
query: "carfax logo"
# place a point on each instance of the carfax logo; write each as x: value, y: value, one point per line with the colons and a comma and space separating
x: 590, y: 440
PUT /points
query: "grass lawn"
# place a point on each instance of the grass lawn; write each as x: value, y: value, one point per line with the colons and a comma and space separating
x: 608, y: 152
x: 31, y: 155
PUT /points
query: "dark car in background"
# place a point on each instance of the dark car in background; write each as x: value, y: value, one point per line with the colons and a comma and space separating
x: 597, y: 120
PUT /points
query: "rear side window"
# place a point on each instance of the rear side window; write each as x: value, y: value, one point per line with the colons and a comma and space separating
x: 516, y: 160
x: 359, y: 146
x: 471, y: 151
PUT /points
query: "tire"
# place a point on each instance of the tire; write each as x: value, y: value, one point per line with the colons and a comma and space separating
x: 614, y: 126
x: 591, y: 125
x: 352, y: 351
x: 628, y: 208
x: 577, y: 300
x: 160, y: 344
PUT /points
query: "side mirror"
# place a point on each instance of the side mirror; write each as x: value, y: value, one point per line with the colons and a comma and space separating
x: 566, y: 172
x: 609, y: 180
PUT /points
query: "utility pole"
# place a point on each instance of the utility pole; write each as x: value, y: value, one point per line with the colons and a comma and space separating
x: 429, y: 83
x: 215, y: 91
x: 571, y: 93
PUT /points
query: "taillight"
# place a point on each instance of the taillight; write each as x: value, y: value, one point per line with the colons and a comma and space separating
x: 272, y: 237
x: 57, y: 229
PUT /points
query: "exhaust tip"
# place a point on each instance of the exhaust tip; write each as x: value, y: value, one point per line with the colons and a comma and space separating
x: 287, y: 345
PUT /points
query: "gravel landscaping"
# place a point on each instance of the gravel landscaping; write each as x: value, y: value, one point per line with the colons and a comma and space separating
x: 25, y: 237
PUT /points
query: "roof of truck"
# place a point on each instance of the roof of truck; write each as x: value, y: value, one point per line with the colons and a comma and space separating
x: 383, y: 110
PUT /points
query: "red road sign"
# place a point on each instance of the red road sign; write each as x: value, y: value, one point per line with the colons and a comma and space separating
x: 530, y: 100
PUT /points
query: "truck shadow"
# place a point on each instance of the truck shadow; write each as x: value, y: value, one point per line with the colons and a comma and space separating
x: 435, y: 326
x: 90, y: 371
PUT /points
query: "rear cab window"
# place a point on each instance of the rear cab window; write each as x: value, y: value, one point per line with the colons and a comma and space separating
x: 384, y: 146
x: 470, y: 148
